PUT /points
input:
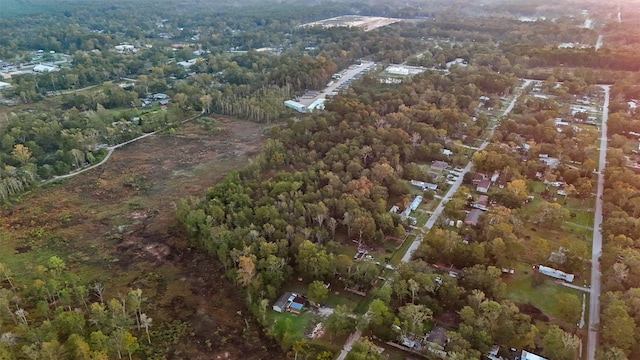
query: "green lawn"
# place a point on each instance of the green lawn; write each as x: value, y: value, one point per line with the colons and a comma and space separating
x: 520, y: 290
x: 299, y: 323
x: 395, y: 259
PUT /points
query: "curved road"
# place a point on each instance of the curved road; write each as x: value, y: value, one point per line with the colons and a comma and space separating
x: 596, y: 250
x: 436, y: 213
x: 109, y: 152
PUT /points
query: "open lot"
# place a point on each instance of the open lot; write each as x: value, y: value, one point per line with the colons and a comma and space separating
x: 116, y: 224
x: 366, y: 23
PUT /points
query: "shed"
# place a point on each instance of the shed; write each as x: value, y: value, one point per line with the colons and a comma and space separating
x: 295, y: 308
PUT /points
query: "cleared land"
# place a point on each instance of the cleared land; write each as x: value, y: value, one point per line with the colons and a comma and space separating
x: 366, y: 23
x: 116, y: 224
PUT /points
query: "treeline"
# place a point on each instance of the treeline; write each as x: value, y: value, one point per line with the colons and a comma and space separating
x: 54, y: 315
x: 620, y: 315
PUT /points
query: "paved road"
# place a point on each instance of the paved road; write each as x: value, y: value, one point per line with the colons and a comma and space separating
x: 347, y: 345
x: 599, y: 42
x: 436, y: 213
x: 596, y: 250
x: 573, y: 286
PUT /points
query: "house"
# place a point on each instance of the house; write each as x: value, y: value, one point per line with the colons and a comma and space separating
x: 4, y: 85
x: 483, y: 186
x: 530, y: 356
x: 482, y: 203
x: 123, y: 48
x: 439, y: 166
x: 289, y: 302
x: 472, y: 217
x: 437, y: 338
x: 187, y: 63
x: 554, y: 273
x: 160, y: 96
x: 493, y: 353
x: 414, y: 205
x: 163, y: 102
x: 478, y: 177
x: 447, y: 152
x: 424, y: 185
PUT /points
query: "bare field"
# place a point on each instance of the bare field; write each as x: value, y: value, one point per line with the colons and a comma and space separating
x: 116, y: 224
x: 366, y: 23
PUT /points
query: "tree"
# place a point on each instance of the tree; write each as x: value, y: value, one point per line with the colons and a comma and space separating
x: 551, y: 215
x: 313, y: 261
x: 380, y: 319
x: 412, y: 318
x: 298, y: 347
x: 364, y: 350
x: 617, y: 327
x: 317, y: 292
x: 21, y: 153
x: 557, y: 344
x: 246, y: 270
x: 145, y: 322
x: 569, y: 307
x: 518, y: 188
x: 340, y: 321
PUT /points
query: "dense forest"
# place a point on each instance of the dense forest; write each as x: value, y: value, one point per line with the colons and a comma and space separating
x: 326, y: 181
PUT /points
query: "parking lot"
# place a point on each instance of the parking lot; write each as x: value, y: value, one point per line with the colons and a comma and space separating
x: 349, y: 74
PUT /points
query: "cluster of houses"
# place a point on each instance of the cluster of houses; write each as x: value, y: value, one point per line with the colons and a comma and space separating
x: 482, y: 182
x: 162, y: 99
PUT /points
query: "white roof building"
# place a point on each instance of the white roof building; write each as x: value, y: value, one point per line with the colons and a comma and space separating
x: 530, y: 356
x: 43, y: 68
x: 397, y: 70
x: 4, y: 85
x: 554, y: 273
x: 187, y: 63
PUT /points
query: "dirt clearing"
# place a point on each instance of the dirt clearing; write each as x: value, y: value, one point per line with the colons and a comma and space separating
x: 116, y: 224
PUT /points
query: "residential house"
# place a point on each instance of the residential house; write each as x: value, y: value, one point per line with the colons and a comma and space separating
x: 289, y: 302
x: 187, y: 63
x: 554, y: 273
x: 530, y: 356
x: 482, y: 203
x: 413, y: 206
x: 472, y: 217
x: 439, y: 166
x: 483, y: 186
x: 424, y: 185
x: 436, y: 340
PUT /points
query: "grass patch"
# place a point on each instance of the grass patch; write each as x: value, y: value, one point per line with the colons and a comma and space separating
x: 520, y: 290
x: 395, y: 259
